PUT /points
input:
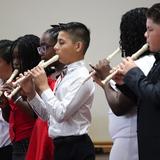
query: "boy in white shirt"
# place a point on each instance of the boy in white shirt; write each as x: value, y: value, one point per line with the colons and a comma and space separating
x: 67, y: 108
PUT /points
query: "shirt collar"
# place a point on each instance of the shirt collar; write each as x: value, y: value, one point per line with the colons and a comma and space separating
x: 75, y: 65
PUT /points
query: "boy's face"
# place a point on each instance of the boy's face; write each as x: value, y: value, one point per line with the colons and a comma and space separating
x: 153, y: 35
x: 66, y: 48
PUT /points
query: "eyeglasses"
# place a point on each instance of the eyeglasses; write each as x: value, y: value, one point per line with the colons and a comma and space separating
x: 42, y: 49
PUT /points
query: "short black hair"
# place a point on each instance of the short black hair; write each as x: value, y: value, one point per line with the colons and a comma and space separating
x: 27, y: 50
x: 132, y: 30
x: 78, y: 32
x: 154, y: 13
x: 5, y: 53
x: 53, y: 33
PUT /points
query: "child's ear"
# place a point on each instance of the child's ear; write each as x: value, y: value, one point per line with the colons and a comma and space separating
x: 79, y: 46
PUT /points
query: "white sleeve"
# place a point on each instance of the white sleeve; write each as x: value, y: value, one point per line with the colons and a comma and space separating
x: 39, y: 107
x: 76, y: 97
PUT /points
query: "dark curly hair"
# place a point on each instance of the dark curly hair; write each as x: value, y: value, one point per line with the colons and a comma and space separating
x: 27, y: 51
x: 132, y: 29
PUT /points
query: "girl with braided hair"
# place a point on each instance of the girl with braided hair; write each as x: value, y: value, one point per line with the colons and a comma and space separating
x: 123, y: 110
x: 22, y: 117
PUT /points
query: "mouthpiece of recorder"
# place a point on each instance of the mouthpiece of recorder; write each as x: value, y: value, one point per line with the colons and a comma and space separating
x: 50, y: 61
x: 140, y: 51
x: 15, y: 72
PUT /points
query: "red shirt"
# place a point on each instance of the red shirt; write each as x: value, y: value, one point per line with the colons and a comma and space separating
x: 20, y: 123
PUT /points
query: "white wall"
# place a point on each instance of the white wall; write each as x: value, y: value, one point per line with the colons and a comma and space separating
x: 19, y: 17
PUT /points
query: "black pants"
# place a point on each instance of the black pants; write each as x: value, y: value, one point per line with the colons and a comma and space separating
x: 6, y: 152
x: 74, y: 148
x: 20, y: 149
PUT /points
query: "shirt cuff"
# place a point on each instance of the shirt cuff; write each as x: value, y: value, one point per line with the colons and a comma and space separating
x: 39, y: 107
x: 35, y: 99
x: 132, y: 74
x: 45, y: 94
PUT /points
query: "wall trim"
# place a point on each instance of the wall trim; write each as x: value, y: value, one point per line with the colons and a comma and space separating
x: 104, y: 146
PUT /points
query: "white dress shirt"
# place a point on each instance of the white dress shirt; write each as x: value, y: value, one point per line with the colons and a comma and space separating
x: 4, y: 132
x: 68, y: 107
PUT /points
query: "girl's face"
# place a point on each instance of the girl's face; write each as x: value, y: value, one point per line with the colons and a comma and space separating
x: 16, y: 59
x: 46, y: 49
x: 5, y: 69
x: 153, y: 35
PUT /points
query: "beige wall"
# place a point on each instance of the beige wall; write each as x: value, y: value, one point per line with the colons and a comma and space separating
x: 19, y: 17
